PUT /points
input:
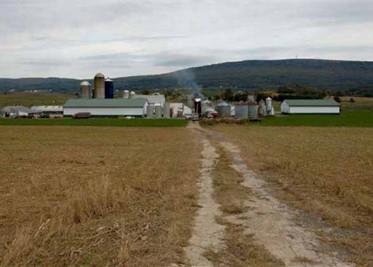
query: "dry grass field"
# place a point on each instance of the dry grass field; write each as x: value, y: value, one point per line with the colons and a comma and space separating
x: 328, y: 173
x: 96, y: 196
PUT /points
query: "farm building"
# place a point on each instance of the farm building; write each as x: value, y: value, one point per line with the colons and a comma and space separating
x: 48, y: 111
x: 18, y: 111
x: 310, y: 106
x: 106, y: 107
x: 154, y: 99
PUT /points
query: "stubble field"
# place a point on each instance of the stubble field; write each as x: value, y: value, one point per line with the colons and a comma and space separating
x: 95, y: 196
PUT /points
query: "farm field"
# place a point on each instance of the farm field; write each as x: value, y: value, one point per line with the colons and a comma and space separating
x: 90, y: 196
x: 99, y: 122
x: 327, y: 173
x: 31, y: 99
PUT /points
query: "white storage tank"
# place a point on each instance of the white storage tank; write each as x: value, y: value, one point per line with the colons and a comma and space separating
x: 85, y: 90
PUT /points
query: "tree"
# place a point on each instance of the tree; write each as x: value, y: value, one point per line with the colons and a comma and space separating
x: 337, y: 99
x: 227, y: 95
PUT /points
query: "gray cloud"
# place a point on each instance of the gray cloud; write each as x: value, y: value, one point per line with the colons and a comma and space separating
x: 128, y: 37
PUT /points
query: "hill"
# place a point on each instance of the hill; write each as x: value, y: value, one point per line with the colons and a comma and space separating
x: 252, y: 75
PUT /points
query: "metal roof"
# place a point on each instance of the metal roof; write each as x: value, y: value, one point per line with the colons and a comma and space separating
x: 153, y: 99
x: 105, y: 103
x: 312, y: 102
x: 47, y: 108
x: 85, y: 83
x: 100, y: 75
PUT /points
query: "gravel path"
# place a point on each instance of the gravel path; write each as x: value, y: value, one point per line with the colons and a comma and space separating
x: 266, y: 218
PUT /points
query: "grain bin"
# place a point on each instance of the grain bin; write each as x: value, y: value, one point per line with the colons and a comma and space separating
x: 166, y: 111
x: 126, y: 94
x: 223, y: 109
x: 253, y: 112
x: 242, y: 111
x: 158, y: 111
x: 99, y: 84
x: 85, y: 90
x: 150, y: 112
x: 109, y: 89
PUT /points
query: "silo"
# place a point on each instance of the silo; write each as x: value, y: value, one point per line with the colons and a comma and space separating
x: 242, y: 111
x: 85, y: 90
x: 126, y: 94
x: 109, y: 89
x: 223, y: 109
x: 253, y: 112
x: 166, y: 111
x: 270, y: 108
x: 150, y: 112
x: 158, y: 111
x: 132, y: 94
x: 262, y: 108
x: 99, y: 83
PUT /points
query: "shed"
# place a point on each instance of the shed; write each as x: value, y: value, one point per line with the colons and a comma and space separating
x: 106, y: 107
x: 310, y: 106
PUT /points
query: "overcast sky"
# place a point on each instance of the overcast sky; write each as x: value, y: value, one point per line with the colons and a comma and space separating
x: 77, y: 38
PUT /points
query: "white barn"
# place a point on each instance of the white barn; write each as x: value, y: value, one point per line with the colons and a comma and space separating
x: 310, y: 106
x: 106, y: 107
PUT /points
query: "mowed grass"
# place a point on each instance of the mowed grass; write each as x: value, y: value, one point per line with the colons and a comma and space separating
x: 100, y: 122
x: 327, y: 172
x: 362, y: 118
x: 90, y: 196
x: 31, y: 99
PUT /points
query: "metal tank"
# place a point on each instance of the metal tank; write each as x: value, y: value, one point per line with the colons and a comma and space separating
x: 126, y: 94
x: 109, y: 88
x: 270, y: 108
x: 166, y: 111
x: 253, y: 112
x: 132, y: 94
x: 223, y: 109
x: 262, y: 108
x: 99, y: 84
x: 242, y: 111
x: 158, y: 111
x: 85, y: 90
x: 150, y: 112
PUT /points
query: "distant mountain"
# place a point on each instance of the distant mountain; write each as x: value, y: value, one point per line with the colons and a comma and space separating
x: 250, y: 75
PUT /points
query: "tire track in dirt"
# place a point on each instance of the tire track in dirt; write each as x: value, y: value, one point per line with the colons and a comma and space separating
x: 272, y: 223
x: 207, y: 234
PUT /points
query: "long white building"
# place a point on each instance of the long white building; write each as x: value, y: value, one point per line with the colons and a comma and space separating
x: 310, y: 106
x: 106, y: 107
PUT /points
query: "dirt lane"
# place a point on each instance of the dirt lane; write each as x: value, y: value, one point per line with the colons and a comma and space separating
x: 207, y: 233
x: 269, y: 221
x: 272, y: 223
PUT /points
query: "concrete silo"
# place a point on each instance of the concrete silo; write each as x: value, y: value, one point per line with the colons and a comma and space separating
x: 99, y: 84
x: 85, y: 90
x: 109, y: 88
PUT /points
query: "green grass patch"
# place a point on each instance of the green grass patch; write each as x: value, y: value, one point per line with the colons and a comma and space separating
x: 104, y: 122
x: 346, y: 119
